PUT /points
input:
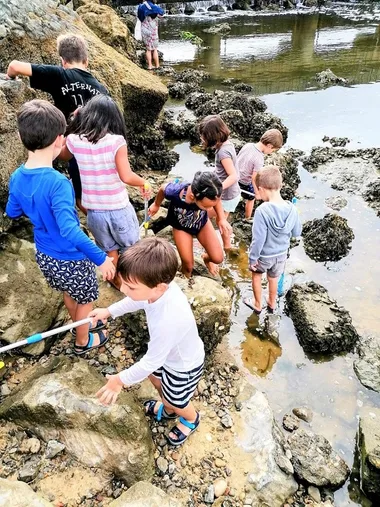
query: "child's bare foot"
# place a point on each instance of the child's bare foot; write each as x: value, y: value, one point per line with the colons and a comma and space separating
x: 212, y: 268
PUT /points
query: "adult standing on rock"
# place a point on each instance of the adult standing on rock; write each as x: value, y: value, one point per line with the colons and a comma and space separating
x: 148, y: 13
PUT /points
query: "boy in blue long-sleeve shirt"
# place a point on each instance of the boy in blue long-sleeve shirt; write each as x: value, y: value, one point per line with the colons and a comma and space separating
x: 65, y: 255
x: 275, y: 222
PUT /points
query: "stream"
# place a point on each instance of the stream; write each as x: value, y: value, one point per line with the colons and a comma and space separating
x: 279, y: 56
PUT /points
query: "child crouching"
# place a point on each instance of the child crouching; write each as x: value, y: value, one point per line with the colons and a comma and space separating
x: 175, y: 356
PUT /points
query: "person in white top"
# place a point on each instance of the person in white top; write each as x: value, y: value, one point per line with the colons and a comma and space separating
x: 175, y: 356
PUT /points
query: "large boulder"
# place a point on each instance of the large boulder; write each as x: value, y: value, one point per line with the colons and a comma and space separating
x: 59, y: 403
x: 31, y: 30
x: 367, y: 365
x: 289, y: 169
x: 211, y: 305
x: 328, y: 238
x: 144, y: 494
x: 315, y: 461
x: 19, y: 494
x: 321, y: 325
x: 369, y: 446
x: 27, y: 304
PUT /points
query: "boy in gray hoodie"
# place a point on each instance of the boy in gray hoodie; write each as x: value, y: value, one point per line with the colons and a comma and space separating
x: 275, y: 222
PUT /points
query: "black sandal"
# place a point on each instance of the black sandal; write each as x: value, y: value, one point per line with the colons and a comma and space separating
x: 181, y: 437
x: 161, y: 413
x: 99, y: 325
x: 82, y: 349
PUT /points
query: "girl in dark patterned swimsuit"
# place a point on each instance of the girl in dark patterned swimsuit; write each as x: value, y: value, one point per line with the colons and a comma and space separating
x: 187, y: 214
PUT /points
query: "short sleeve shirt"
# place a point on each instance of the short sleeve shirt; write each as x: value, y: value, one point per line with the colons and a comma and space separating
x: 70, y: 88
x: 182, y: 215
x: 227, y: 150
x: 249, y: 160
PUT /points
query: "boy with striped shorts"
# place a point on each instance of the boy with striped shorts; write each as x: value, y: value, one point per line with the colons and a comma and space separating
x: 175, y: 356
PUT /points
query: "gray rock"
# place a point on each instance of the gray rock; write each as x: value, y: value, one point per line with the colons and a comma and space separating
x: 367, y: 366
x: 304, y: 413
x: 321, y: 325
x: 290, y: 422
x: 314, y: 493
x: 19, y: 494
x: 53, y: 448
x: 227, y: 421
x: 209, y: 496
x: 162, y: 465
x: 29, y: 470
x: 218, y: 28
x: 328, y: 77
x: 336, y: 202
x: 315, y: 461
x: 144, y: 494
x: 115, y: 438
x: 369, y: 446
x: 5, y: 391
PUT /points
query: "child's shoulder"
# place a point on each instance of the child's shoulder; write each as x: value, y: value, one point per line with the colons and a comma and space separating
x: 174, y: 188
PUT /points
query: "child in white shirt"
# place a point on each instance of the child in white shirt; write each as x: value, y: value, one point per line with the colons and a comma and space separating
x: 175, y: 356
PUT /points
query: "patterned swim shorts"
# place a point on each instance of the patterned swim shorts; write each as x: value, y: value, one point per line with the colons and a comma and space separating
x: 77, y: 278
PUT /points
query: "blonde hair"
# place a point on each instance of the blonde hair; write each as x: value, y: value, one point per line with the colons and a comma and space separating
x: 273, y: 137
x: 72, y: 48
x: 269, y: 178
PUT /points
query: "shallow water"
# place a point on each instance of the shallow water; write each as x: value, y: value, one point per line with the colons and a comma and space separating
x: 289, y: 58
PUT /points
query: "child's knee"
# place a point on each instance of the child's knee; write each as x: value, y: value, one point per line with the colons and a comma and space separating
x: 187, y: 266
x: 217, y: 258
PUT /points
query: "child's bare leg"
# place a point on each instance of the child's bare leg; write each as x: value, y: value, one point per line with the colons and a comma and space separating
x: 114, y: 254
x: 249, y: 208
x: 184, y: 244
x: 214, y: 254
x: 157, y: 384
x: 272, y: 288
x: 226, y: 237
x: 189, y: 413
x: 156, y: 59
x: 257, y: 290
x: 82, y: 312
x: 149, y: 58
x: 71, y: 305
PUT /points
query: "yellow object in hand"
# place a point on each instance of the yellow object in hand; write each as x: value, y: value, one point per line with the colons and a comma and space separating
x: 2, y: 364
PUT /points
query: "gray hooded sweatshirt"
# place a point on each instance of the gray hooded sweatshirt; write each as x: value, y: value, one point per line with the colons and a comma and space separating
x: 273, y: 226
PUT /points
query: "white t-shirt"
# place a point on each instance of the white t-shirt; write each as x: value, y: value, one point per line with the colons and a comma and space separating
x: 174, y: 339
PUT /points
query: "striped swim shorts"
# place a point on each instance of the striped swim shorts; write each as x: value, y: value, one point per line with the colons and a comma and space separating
x: 178, y: 386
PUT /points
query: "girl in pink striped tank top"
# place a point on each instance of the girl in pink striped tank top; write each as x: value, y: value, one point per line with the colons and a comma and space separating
x: 98, y: 143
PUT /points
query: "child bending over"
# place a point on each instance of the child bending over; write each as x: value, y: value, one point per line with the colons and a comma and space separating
x: 174, y: 360
x: 215, y: 134
x: 187, y: 214
x: 98, y: 143
x: 275, y: 222
x: 250, y: 160
x: 65, y: 255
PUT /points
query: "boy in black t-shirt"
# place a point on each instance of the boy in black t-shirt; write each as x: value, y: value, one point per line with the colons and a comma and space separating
x: 71, y: 85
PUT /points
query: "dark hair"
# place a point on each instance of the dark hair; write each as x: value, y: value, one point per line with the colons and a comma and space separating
x: 213, y: 130
x: 273, y: 137
x: 72, y: 48
x: 39, y: 124
x: 206, y: 184
x: 100, y: 116
x: 151, y: 261
x: 269, y: 177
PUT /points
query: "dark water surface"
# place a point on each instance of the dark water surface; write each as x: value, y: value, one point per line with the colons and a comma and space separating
x: 279, y: 55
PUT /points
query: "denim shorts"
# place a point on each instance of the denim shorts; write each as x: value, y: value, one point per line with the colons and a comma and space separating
x: 114, y: 230
x: 272, y: 266
x: 231, y: 205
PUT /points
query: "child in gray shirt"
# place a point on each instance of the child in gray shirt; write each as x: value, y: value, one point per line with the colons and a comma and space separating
x: 275, y: 222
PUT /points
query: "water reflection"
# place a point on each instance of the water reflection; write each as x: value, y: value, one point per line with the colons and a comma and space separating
x: 276, y: 53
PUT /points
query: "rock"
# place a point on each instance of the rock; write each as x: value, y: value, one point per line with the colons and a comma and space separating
x: 314, y: 493
x: 227, y: 421
x: 202, y: 386
x: 367, y: 366
x: 28, y: 304
x: 4, y: 390
x: 336, y: 202
x: 162, y: 465
x: 218, y: 28
x: 288, y: 166
x: 304, y: 413
x: 215, y: 8
x: 178, y: 126
x: 220, y: 486
x: 328, y: 238
x: 186, y: 82
x: 209, y: 495
x: 241, y: 5
x: 336, y: 141
x: 327, y: 77
x: 144, y: 494
x: 189, y: 9
x: 211, y: 305
x: 219, y: 463
x: 290, y: 422
x: 53, y: 448
x: 243, y: 87
x: 109, y: 27
x: 19, y: 494
x: 116, y: 439
x: 321, y: 325
x: 369, y: 446
x: 267, y: 482
x: 315, y: 461
x: 30, y: 446
x: 29, y: 470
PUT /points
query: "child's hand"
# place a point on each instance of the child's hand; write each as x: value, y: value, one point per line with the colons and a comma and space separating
x: 99, y: 314
x: 108, y: 269
x: 146, y: 191
x: 153, y: 208
x: 225, y: 227
x: 108, y: 394
x: 253, y: 267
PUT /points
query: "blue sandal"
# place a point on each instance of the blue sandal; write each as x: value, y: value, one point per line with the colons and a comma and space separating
x: 99, y: 325
x: 82, y: 349
x: 161, y: 413
x: 181, y: 437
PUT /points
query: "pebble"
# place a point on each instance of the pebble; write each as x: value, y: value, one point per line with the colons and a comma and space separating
x: 303, y: 413
x: 219, y: 463
x: 53, y: 448
x: 202, y: 386
x: 103, y: 358
x: 209, y: 495
x: 30, y: 445
x: 5, y: 391
x: 29, y: 471
x: 220, y: 486
x: 314, y: 493
x: 227, y: 421
x: 291, y: 422
x: 171, y: 468
x: 117, y: 351
x: 162, y: 465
